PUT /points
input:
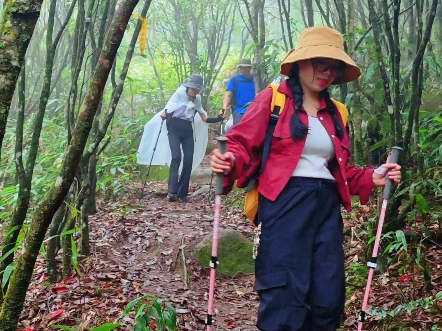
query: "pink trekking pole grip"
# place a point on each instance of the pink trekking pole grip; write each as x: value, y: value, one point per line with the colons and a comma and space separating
x: 222, y: 141
x: 393, y: 158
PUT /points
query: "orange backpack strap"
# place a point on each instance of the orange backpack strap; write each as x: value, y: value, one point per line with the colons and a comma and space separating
x: 278, y: 98
x: 342, y: 110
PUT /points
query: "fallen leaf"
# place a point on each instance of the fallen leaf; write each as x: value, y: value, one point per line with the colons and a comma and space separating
x: 56, y: 313
x: 182, y: 311
x: 61, y: 289
x: 43, y: 278
x: 404, y: 278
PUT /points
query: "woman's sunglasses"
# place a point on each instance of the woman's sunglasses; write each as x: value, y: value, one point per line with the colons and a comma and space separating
x: 323, y: 66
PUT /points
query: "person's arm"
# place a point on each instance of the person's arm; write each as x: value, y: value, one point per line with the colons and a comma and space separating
x: 229, y: 93
x: 227, y: 99
x: 361, y: 181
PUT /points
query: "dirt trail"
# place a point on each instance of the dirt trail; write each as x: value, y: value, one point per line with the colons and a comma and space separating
x: 139, y: 247
x: 151, y: 243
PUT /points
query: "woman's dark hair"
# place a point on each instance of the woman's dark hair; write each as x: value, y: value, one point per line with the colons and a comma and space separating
x: 299, y: 130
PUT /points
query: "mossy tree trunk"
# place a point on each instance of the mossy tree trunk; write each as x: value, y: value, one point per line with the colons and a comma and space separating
x: 16, y: 28
x: 46, y: 209
x: 54, y: 244
x: 25, y: 173
x: 88, y: 161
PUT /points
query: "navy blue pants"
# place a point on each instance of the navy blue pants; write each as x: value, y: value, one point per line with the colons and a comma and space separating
x: 180, y: 136
x: 300, y: 263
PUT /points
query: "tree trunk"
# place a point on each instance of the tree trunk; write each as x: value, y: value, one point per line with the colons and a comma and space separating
x: 380, y: 59
x: 25, y: 176
x: 416, y: 93
x: 89, y: 179
x: 257, y: 20
x: 54, y: 244
x: 16, y: 29
x: 16, y: 294
x: 355, y: 88
x: 310, y: 14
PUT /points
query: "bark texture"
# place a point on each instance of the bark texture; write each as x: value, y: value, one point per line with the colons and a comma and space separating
x: 15, y: 296
x: 16, y: 29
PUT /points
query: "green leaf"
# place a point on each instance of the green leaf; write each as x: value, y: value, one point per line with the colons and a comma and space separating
x: 369, y: 73
x: 132, y: 304
x: 62, y: 327
x: 400, y: 236
x: 105, y: 327
x: 379, y: 144
x: 69, y: 232
x: 11, y: 251
x: 13, y: 229
x: 7, y: 274
x: 422, y: 204
x: 140, y: 310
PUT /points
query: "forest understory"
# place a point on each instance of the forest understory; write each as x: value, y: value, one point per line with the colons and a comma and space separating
x: 144, y: 247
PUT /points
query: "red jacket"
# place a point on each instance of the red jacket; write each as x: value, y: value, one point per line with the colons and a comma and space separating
x: 246, y: 142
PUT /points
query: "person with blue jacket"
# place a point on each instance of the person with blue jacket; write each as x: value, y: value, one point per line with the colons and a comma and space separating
x: 240, y: 91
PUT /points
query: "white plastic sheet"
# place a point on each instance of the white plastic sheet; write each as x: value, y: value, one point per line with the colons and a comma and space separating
x: 162, y: 155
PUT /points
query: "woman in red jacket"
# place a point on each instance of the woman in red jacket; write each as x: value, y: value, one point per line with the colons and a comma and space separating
x: 307, y: 176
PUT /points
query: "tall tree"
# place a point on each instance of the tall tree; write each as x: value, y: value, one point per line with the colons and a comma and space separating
x: 16, y: 29
x: 25, y: 171
x: 15, y: 296
x: 310, y: 13
x: 255, y: 22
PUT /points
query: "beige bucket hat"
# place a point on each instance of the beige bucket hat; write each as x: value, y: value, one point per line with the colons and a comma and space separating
x: 325, y: 42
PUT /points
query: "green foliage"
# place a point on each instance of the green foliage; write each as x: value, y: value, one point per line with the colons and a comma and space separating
x: 424, y: 303
x: 357, y: 276
x: 397, y: 245
x: 151, y: 313
x: 103, y: 327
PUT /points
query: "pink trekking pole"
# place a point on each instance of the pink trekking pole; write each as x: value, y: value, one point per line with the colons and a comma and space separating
x: 214, y: 258
x: 393, y: 158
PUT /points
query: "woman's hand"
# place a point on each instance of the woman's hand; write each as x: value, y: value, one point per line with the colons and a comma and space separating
x: 221, y: 163
x: 392, y: 170
x: 163, y: 114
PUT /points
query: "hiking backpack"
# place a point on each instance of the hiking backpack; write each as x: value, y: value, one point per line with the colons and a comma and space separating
x: 277, y: 107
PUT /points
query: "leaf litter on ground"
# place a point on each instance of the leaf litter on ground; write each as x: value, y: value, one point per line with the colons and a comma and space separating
x: 136, y: 250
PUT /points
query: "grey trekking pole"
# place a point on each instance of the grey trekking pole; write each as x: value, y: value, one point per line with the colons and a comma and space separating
x: 151, y: 159
x: 220, y: 133
x: 393, y: 158
x: 214, y: 258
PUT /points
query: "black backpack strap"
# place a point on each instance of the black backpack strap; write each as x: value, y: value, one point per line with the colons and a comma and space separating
x: 274, y: 117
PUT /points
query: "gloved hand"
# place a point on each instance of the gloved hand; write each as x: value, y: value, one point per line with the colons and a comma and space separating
x: 217, y: 119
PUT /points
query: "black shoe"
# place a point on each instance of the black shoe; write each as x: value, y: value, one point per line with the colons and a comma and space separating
x: 183, y: 200
x: 171, y: 197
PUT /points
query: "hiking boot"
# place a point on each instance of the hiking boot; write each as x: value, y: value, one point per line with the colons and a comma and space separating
x: 171, y: 196
x: 183, y: 200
